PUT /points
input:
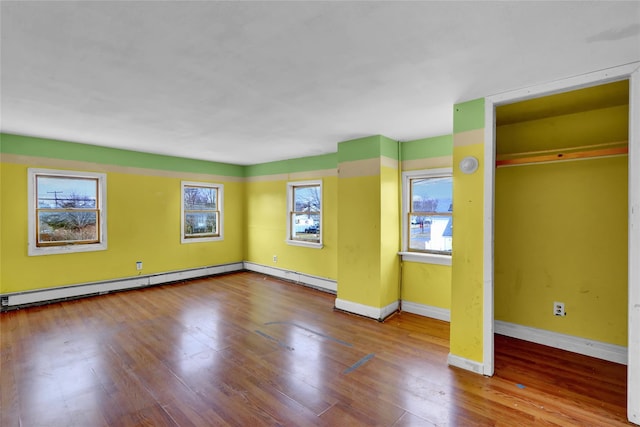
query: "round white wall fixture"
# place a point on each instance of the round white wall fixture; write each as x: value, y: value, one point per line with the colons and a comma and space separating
x: 469, y: 164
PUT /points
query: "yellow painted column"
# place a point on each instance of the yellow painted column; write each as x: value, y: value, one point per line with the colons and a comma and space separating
x: 368, y: 226
x: 467, y: 257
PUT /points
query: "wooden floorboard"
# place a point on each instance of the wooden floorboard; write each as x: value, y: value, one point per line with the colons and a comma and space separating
x: 244, y: 349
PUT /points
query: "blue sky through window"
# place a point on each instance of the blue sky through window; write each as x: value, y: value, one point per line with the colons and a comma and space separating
x: 52, y: 191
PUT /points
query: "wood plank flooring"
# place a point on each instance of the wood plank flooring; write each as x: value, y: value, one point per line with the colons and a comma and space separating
x: 248, y: 350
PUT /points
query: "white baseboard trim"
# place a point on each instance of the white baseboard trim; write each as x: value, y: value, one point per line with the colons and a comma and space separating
x: 293, y: 276
x: 467, y: 364
x: 600, y: 350
x: 389, y: 309
x: 426, y: 310
x: 103, y: 287
x: 366, y: 310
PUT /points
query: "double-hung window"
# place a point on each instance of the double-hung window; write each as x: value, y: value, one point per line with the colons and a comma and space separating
x: 428, y: 213
x: 304, y: 218
x: 202, y: 213
x: 67, y: 211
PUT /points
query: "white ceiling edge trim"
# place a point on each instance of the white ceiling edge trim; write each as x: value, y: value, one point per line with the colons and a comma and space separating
x: 607, y: 75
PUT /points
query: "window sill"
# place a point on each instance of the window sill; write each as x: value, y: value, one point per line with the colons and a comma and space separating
x: 426, y: 258
x: 304, y: 244
x: 201, y: 239
x: 65, y: 249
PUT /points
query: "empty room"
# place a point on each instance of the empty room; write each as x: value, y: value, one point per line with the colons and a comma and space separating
x: 319, y: 213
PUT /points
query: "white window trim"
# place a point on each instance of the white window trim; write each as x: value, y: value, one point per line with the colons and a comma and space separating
x: 421, y: 257
x: 424, y: 258
x: 32, y: 247
x: 288, y: 240
x: 220, y: 201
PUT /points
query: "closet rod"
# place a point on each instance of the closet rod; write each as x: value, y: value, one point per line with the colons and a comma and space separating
x: 559, y: 155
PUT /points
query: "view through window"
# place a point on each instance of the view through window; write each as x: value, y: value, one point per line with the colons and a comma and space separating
x: 430, y: 214
x: 67, y: 210
x: 305, y: 219
x: 201, y: 211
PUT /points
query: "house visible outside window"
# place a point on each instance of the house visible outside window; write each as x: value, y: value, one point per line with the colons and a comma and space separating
x: 428, y: 211
x: 304, y: 219
x: 67, y: 211
x: 202, y: 213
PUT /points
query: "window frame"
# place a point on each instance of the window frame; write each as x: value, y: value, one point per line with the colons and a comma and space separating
x: 33, y: 247
x: 220, y: 211
x: 426, y: 256
x: 290, y: 204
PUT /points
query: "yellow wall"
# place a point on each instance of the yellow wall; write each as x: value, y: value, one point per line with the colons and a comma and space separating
x: 389, y: 235
x: 143, y: 220
x: 561, y: 235
x: 427, y: 284
x: 359, y: 240
x: 422, y: 283
x: 266, y: 222
x: 467, y: 256
x: 368, y: 223
x: 599, y: 126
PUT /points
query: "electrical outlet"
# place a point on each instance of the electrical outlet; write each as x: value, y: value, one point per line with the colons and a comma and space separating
x: 558, y: 309
x: 138, y: 265
x: 275, y: 258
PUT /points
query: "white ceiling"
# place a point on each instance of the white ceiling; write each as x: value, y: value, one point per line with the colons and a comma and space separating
x: 252, y: 82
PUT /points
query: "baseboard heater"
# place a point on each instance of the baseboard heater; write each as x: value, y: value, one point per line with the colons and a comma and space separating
x: 99, y: 288
x: 320, y: 283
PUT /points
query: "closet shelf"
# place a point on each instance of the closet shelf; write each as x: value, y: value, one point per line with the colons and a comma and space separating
x: 572, y: 153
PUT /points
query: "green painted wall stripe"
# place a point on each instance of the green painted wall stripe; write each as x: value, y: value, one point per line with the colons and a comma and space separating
x: 271, y: 168
x: 427, y: 148
x: 41, y: 147
x: 367, y: 148
x: 468, y: 115
x: 389, y: 147
x: 359, y: 149
x: 307, y: 164
x: 302, y: 164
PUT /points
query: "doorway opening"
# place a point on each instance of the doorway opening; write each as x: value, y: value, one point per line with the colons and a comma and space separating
x: 560, y: 218
x: 628, y: 72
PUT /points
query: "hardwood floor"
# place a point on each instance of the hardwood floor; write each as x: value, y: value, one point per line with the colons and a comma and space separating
x: 244, y: 349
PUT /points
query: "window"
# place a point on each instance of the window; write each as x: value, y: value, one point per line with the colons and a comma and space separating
x: 304, y: 219
x: 67, y: 211
x: 201, y: 212
x: 428, y: 210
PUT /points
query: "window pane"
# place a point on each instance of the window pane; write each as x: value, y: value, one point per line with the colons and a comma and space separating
x: 60, y: 192
x: 306, y: 199
x: 305, y: 207
x: 200, y: 198
x: 67, y: 226
x: 197, y: 223
x: 65, y: 211
x: 306, y: 227
x: 431, y: 194
x: 431, y: 233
